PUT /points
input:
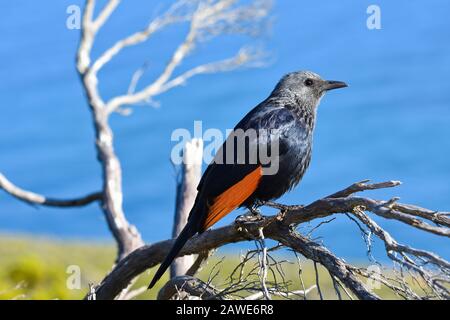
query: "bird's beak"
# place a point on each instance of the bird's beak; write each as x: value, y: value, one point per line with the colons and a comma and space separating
x: 330, y: 85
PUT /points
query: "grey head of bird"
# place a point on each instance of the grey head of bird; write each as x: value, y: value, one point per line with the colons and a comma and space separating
x: 305, y: 87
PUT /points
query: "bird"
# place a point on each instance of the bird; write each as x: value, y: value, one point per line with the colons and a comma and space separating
x: 289, y: 112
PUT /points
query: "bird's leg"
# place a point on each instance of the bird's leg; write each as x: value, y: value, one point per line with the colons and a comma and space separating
x: 254, y: 216
x: 254, y: 209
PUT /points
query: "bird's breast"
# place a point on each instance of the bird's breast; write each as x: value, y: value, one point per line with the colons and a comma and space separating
x: 286, y: 170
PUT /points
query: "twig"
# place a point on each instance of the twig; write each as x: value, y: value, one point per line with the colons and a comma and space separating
x: 186, y: 287
x: 190, y: 174
x: 336, y: 287
x: 130, y: 295
x: 198, y: 263
x: 34, y: 198
x: 281, y: 231
x: 263, y: 264
x: 318, y: 281
x: 303, y: 293
x: 364, y: 186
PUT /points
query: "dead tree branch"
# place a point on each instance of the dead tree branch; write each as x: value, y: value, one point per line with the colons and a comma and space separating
x: 281, y: 228
x: 126, y: 235
x: 37, y: 199
x: 295, y: 293
x: 188, y: 288
x: 199, y: 262
x: 190, y: 174
x: 411, y: 258
x: 263, y: 261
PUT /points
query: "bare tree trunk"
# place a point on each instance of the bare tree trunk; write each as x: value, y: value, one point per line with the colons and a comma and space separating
x: 190, y: 175
x: 125, y: 234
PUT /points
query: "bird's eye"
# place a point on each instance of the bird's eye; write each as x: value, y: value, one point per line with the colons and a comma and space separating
x: 308, y: 82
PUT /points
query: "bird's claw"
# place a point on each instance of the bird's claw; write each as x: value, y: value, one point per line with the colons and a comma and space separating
x: 246, y: 218
x: 255, y: 212
x: 281, y: 214
x: 243, y: 221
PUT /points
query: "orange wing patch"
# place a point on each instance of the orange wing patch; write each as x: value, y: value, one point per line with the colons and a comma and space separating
x: 233, y: 197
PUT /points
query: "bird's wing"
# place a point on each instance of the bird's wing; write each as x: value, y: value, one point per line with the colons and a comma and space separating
x: 232, y: 197
x: 225, y: 186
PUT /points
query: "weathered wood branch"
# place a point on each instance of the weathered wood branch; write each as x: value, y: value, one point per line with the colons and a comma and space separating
x: 188, y: 288
x: 318, y: 253
x: 126, y: 235
x: 412, y: 258
x: 280, y: 228
x: 295, y: 293
x: 189, y: 177
x: 37, y: 199
x: 207, y: 19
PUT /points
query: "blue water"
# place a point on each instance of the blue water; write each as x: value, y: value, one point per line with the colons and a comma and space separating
x: 393, y: 122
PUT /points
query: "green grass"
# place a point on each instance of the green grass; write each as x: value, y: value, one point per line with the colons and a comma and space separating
x: 36, y: 268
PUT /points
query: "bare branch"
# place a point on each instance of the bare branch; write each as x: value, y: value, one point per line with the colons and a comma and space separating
x: 130, y: 295
x: 125, y: 234
x: 245, y: 56
x: 317, y: 281
x: 392, y: 246
x: 337, y: 267
x: 281, y: 231
x: 201, y: 259
x: 363, y: 186
x: 295, y: 293
x: 323, y: 207
x: 87, y: 38
x: 171, y: 16
x: 104, y: 14
x: 190, y: 174
x: 263, y: 264
x: 440, y: 218
x: 34, y: 198
x: 208, y: 19
x: 187, y: 288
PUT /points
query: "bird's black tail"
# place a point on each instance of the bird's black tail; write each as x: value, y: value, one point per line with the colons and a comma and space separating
x: 188, y: 231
